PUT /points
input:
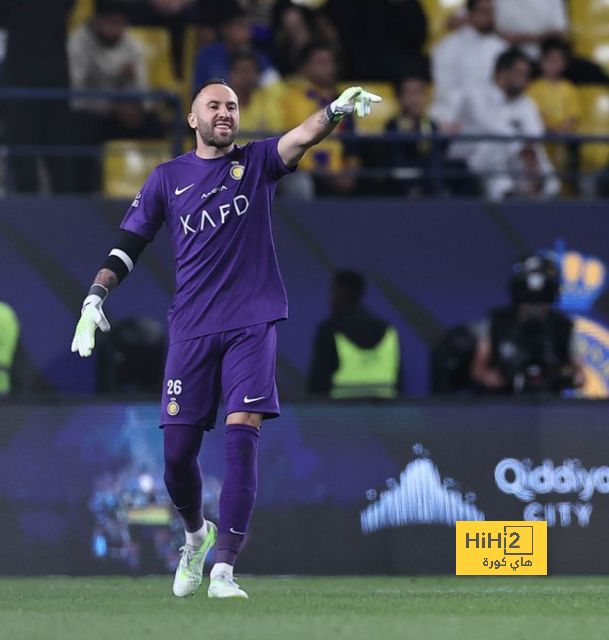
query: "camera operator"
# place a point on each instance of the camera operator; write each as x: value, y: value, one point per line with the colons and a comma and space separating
x: 527, y: 346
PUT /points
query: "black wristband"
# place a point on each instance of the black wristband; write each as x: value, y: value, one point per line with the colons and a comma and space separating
x: 329, y: 113
x: 99, y: 290
x: 117, y: 266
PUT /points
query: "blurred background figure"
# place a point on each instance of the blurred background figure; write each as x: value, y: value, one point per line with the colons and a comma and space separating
x: 412, y: 162
x: 297, y: 24
x: 464, y: 61
x: 104, y: 56
x: 355, y: 354
x: 451, y: 360
x: 175, y: 16
x: 259, y: 107
x: 9, y: 338
x: 527, y: 24
x: 36, y: 57
x: 513, y: 168
x: 235, y: 33
x: 558, y: 102
x: 527, y: 346
x: 314, y: 88
x: 556, y: 97
x: 131, y: 357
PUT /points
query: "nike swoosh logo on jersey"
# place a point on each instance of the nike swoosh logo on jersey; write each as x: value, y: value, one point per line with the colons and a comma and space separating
x: 248, y: 400
x: 239, y: 533
x: 180, y: 191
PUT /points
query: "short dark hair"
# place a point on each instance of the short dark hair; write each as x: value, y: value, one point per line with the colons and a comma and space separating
x: 211, y: 81
x: 350, y: 281
x: 308, y: 50
x: 232, y: 13
x: 508, y: 59
x: 554, y: 43
x: 244, y: 54
x: 471, y: 5
x: 420, y: 77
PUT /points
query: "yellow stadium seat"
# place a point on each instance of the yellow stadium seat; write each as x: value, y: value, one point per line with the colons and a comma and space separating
x: 195, y: 37
x: 127, y: 164
x: 590, y: 27
x: 438, y: 12
x: 594, y: 120
x: 594, y: 45
x: 381, y: 112
x: 156, y: 43
x: 586, y: 14
x: 189, y: 52
x: 81, y: 12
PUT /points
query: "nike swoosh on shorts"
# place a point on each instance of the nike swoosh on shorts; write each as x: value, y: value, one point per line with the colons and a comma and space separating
x: 249, y: 400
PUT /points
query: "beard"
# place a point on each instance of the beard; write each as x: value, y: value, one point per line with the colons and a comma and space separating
x: 213, y: 138
x: 514, y: 91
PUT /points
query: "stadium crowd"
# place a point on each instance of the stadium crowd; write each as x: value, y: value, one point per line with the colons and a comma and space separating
x: 475, y: 67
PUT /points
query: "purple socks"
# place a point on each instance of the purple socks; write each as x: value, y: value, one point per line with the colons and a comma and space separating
x: 239, y: 490
x: 183, y: 480
x: 182, y: 444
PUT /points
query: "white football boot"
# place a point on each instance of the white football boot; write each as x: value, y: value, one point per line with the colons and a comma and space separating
x: 224, y: 586
x: 189, y: 573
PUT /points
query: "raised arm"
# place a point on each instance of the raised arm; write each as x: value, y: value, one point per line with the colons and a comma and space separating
x: 293, y: 145
x: 116, y: 268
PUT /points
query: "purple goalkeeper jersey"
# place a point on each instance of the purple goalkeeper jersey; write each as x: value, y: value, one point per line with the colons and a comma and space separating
x: 218, y: 215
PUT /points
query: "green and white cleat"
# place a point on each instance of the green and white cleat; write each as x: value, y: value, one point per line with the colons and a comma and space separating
x: 189, y: 573
x: 224, y: 586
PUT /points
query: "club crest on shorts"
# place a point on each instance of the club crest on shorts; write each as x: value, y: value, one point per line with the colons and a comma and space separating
x: 237, y: 171
x: 173, y: 408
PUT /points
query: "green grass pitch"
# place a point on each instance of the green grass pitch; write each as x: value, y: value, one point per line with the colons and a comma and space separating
x: 374, y: 608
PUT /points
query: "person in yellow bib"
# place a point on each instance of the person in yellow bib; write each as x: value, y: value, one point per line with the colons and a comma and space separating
x: 9, y: 337
x: 356, y: 355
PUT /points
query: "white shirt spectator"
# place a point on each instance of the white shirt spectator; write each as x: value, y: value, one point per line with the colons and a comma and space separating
x: 461, y: 61
x: 113, y: 68
x: 489, y: 110
x: 530, y: 17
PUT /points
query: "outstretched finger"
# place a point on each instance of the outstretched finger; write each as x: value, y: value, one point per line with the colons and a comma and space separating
x: 373, y: 97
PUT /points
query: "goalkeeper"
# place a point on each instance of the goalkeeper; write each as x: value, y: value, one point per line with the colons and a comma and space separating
x: 216, y: 204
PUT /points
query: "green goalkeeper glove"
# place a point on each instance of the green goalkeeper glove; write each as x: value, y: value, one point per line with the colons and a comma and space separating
x: 353, y: 99
x: 91, y: 317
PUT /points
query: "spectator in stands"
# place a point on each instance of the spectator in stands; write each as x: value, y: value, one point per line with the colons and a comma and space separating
x: 556, y: 98
x: 527, y: 24
x: 314, y: 88
x: 356, y: 354
x: 415, y: 159
x: 104, y: 57
x: 9, y: 338
x: 558, y: 102
x: 175, y: 16
x: 259, y: 107
x: 527, y: 346
x: 295, y: 27
x: 36, y: 58
x: 213, y: 60
x: 464, y: 60
x: 503, y: 108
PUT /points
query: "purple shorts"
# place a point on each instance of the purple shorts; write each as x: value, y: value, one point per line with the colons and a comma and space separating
x: 238, y: 365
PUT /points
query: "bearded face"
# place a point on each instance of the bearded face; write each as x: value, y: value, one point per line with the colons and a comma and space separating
x: 215, y: 116
x: 218, y: 131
